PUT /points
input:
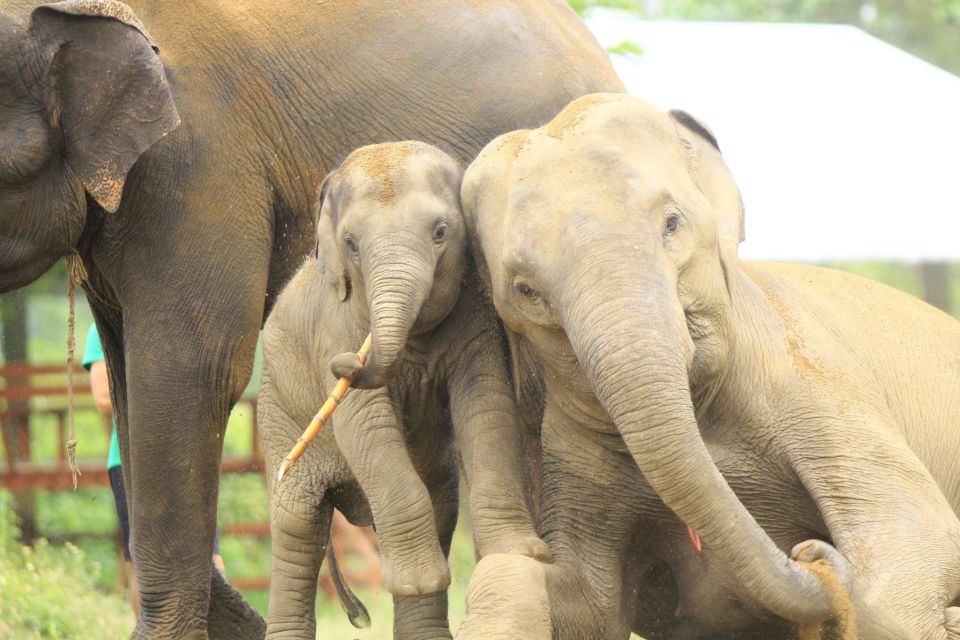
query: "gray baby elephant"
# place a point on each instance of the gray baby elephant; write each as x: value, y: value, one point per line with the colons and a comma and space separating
x: 391, y: 260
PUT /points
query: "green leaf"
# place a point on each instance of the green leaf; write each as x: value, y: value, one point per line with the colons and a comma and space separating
x: 626, y: 48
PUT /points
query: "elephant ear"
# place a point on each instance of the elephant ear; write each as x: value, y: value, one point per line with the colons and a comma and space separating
x: 108, y: 91
x: 715, y: 180
x: 327, y: 254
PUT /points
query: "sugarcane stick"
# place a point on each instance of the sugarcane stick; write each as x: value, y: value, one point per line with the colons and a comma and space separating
x: 333, y: 400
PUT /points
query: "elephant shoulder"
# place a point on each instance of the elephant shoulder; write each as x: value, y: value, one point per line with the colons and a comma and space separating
x: 299, y: 298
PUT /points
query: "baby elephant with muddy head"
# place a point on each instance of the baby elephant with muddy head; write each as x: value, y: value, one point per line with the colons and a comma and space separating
x: 391, y: 260
x: 801, y: 422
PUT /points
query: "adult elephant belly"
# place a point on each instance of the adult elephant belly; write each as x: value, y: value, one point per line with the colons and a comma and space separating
x: 216, y: 215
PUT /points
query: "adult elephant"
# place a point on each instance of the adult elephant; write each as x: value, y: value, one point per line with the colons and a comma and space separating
x: 188, y: 232
x: 770, y: 408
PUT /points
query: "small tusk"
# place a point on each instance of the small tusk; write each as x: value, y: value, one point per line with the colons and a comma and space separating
x: 333, y: 400
x: 695, y: 539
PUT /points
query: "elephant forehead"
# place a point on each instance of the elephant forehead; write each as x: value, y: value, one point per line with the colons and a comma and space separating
x: 407, y: 207
x: 604, y: 186
x: 593, y: 161
x: 617, y: 118
x: 390, y: 169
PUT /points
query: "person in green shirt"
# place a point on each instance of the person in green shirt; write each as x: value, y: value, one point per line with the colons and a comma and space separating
x: 95, y: 363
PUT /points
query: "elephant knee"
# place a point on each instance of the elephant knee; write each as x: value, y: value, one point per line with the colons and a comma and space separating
x: 296, y: 517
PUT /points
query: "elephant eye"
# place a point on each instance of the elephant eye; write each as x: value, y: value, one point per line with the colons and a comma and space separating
x: 440, y: 232
x: 351, y: 243
x: 526, y: 291
x: 670, y: 226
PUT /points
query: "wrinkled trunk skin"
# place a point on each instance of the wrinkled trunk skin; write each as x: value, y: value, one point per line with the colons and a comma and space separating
x: 398, y: 281
x: 631, y: 340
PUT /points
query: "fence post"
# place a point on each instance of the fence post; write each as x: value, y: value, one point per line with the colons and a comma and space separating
x: 16, y: 428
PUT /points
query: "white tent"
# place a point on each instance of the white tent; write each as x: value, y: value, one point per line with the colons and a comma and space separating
x: 844, y: 147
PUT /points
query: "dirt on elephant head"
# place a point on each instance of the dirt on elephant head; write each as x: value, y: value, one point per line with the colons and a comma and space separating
x: 569, y: 117
x: 511, y: 144
x: 843, y: 625
x: 382, y: 162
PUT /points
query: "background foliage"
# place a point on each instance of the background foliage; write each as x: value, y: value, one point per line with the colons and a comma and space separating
x: 930, y: 29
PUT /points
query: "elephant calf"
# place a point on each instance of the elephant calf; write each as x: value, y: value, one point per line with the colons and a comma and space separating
x: 391, y: 257
x: 779, y: 412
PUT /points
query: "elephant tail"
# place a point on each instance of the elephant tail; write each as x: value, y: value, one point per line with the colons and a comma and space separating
x: 356, y: 612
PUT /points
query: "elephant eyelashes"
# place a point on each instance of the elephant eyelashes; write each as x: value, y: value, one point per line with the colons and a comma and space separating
x: 671, y: 225
x: 440, y: 233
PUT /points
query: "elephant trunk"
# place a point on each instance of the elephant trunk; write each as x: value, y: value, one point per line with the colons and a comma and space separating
x: 630, y: 337
x: 398, y: 282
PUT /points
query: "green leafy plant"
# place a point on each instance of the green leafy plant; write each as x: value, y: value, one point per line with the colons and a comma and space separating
x: 49, y: 592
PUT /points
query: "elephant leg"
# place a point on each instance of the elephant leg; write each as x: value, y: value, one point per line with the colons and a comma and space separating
x: 891, y: 522
x: 176, y: 431
x: 188, y: 351
x: 230, y: 616
x: 425, y: 617
x: 589, y: 519
x: 369, y: 435
x: 301, y: 507
x: 590, y: 514
x: 489, y: 440
x: 300, y: 529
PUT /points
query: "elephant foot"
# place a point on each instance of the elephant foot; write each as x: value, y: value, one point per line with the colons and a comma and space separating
x: 421, y: 618
x: 951, y: 619
x: 507, y: 598
x: 521, y: 542
x: 229, y: 616
x: 415, y: 574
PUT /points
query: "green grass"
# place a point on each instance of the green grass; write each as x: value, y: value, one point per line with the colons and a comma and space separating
x: 51, y: 591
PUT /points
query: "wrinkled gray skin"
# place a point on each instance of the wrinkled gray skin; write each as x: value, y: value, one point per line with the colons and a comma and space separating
x: 775, y: 409
x: 392, y: 261
x: 215, y: 214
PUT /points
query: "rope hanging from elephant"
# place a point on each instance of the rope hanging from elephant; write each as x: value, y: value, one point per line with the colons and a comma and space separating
x: 77, y: 275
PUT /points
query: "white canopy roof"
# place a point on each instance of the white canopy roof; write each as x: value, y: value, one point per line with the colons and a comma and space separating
x: 844, y: 147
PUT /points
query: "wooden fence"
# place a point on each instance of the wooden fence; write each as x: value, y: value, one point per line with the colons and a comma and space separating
x: 29, y: 393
